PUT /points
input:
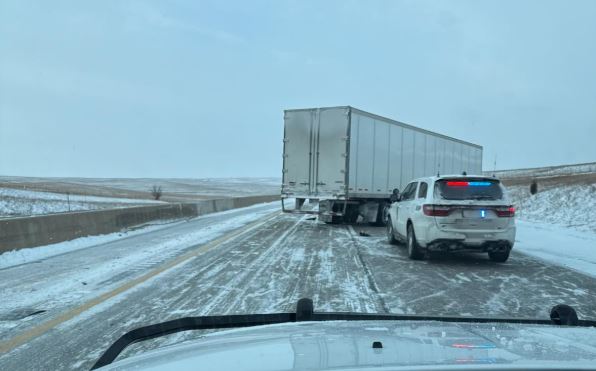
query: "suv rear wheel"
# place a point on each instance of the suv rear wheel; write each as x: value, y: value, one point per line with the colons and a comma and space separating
x: 414, y: 251
x: 390, y: 235
x: 382, y: 214
x: 499, y: 256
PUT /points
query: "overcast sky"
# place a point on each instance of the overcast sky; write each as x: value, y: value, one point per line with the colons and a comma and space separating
x: 198, y: 88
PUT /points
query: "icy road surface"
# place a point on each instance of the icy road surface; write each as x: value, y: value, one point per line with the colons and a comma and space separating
x: 92, y: 296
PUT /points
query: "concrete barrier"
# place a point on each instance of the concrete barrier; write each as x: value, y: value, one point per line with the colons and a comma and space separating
x: 19, y: 233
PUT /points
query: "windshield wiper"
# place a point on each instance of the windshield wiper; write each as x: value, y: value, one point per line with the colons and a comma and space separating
x: 559, y: 315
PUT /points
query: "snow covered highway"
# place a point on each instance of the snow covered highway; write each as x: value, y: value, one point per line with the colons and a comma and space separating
x: 67, y: 309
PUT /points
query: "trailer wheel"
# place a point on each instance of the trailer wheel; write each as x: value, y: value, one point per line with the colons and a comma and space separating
x: 351, y: 214
x: 334, y: 207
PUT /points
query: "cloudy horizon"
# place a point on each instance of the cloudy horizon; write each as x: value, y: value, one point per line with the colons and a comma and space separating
x: 190, y: 89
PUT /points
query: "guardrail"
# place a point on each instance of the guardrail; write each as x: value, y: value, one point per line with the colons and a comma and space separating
x: 24, y: 232
x: 546, y: 171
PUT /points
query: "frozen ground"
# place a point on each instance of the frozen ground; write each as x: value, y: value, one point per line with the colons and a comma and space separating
x: 276, y: 261
x: 18, y: 202
x: 266, y: 268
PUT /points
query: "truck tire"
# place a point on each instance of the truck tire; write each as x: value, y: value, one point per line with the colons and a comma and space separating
x: 499, y: 256
x: 414, y: 251
x: 390, y: 235
x: 382, y: 214
x: 351, y: 214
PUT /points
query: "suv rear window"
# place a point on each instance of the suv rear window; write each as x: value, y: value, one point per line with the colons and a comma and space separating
x: 469, y: 189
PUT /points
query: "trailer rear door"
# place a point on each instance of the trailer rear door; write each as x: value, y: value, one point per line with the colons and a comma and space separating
x: 298, y: 151
x: 315, y: 150
x: 332, y: 151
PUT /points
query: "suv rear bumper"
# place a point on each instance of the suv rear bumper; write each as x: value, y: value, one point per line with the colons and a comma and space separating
x: 455, y: 245
x: 454, y: 239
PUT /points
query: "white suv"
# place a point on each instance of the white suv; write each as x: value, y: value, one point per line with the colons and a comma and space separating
x: 458, y: 212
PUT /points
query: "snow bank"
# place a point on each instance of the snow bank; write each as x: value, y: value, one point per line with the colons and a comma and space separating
x: 570, y: 206
x: 22, y: 256
x: 558, y: 245
x: 558, y: 224
x: 88, y: 273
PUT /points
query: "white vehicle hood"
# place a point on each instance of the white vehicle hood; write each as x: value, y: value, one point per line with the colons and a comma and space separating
x: 424, y: 345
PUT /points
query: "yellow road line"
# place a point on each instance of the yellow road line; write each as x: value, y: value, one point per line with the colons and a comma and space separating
x: 18, y: 340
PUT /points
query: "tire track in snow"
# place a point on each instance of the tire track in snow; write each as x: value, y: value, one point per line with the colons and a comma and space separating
x: 329, y: 272
x: 247, y: 272
x: 203, y: 273
x: 372, y: 283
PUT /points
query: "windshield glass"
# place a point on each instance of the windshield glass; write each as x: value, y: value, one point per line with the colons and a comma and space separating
x: 469, y: 189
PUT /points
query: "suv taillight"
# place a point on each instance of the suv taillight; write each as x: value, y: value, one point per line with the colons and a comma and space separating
x: 436, y: 210
x: 505, y: 211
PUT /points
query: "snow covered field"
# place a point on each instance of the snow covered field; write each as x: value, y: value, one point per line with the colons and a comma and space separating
x: 17, y: 202
x: 176, y: 189
x: 216, y: 187
x: 21, y: 196
x: 570, y: 206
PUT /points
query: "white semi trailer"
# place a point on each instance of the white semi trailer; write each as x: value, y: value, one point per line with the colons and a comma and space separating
x: 349, y: 161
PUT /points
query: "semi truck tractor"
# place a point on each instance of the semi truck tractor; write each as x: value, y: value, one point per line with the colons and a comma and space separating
x: 343, y: 164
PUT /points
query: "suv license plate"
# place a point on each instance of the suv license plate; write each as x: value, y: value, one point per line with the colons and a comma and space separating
x: 476, y: 214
